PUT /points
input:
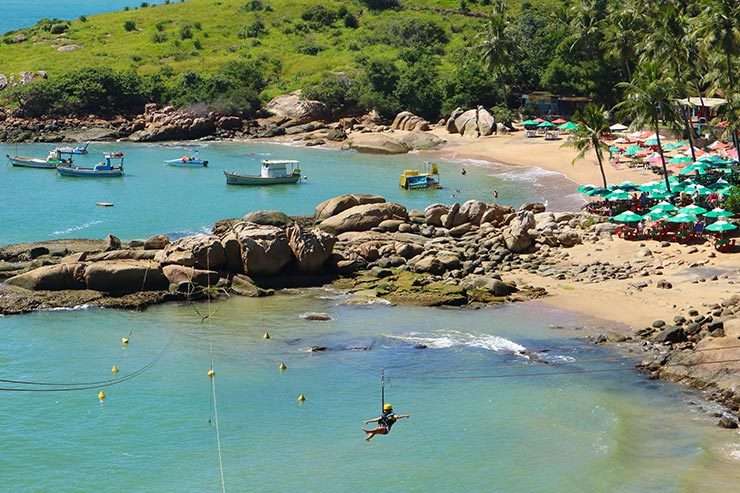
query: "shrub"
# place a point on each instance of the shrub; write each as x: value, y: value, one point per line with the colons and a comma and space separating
x: 418, y: 89
x: 129, y: 26
x: 319, y: 16
x: 256, y: 5
x: 59, y: 28
x: 253, y: 30
x: 309, y: 46
x: 186, y: 32
x: 159, y: 37
x: 197, y: 44
x: 83, y: 18
x: 381, y: 4
x: 350, y: 21
x: 732, y: 203
x: 412, y: 33
x: 502, y: 114
x: 337, y: 91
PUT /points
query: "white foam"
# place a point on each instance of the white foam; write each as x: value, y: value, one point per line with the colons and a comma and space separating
x: 69, y: 308
x: 75, y: 228
x: 452, y: 338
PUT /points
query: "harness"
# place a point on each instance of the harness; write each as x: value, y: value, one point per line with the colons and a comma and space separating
x: 387, y: 420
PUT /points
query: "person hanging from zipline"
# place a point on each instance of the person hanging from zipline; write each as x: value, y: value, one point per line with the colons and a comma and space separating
x: 385, y: 422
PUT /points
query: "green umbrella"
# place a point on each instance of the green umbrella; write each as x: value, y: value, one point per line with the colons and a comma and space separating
x: 691, y: 168
x: 721, y: 226
x: 618, y: 195
x: 656, y: 215
x: 627, y: 185
x: 719, y: 212
x: 700, y: 189
x: 652, y: 141
x: 598, y: 192
x: 569, y: 126
x: 659, y: 195
x: 585, y: 188
x: 632, y: 150
x: 663, y: 207
x: 692, y: 209
x: 679, y: 160
x: 546, y: 124
x: 627, y: 217
x: 648, y: 187
x: 683, y: 218
x: 529, y: 122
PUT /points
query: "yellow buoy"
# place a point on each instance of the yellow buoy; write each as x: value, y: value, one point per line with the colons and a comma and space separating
x: 211, y: 373
x: 266, y: 335
x: 301, y: 398
x: 282, y: 366
x: 114, y: 369
x: 101, y: 395
x: 124, y: 340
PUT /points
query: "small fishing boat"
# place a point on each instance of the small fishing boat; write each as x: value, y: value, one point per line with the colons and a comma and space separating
x: 82, y: 149
x: 273, y: 173
x: 192, y: 161
x: 54, y: 159
x: 413, y: 179
x: 104, y: 169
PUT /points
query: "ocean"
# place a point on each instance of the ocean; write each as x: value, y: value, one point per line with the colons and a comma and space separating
x: 23, y: 13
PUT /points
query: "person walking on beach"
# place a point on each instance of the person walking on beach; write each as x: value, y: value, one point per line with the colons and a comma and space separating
x: 385, y: 422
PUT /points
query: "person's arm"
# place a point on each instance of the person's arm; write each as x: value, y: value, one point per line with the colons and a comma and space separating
x: 375, y: 420
x: 401, y: 416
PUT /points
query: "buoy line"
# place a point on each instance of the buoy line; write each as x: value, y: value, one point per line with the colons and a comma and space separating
x: 73, y: 386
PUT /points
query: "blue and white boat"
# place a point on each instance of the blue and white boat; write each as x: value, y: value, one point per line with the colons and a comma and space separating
x: 192, y: 161
x: 82, y: 149
x: 104, y: 169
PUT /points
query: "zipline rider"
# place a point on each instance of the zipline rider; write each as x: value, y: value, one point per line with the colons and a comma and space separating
x: 385, y: 422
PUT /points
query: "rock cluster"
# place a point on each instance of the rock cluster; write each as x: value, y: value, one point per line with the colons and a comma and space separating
x: 169, y: 123
x: 409, y: 122
x: 477, y: 122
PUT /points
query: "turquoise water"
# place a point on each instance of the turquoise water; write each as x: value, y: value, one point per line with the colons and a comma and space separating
x: 24, y: 13
x: 153, y: 198
x: 613, y: 431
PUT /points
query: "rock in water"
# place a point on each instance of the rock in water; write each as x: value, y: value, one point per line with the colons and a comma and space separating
x: 268, y: 217
x: 176, y: 274
x: 51, y: 278
x: 264, y: 249
x: 376, y: 144
x: 125, y: 276
x: 311, y: 249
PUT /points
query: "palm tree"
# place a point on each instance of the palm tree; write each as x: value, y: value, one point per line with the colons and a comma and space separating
x: 592, y: 126
x: 495, y: 45
x: 718, y: 27
x: 649, y: 97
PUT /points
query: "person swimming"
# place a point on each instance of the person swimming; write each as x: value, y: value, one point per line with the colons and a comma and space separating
x: 385, y: 422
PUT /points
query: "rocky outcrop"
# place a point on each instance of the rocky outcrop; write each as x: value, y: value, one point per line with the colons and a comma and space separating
x: 177, y: 274
x: 335, y: 205
x: 201, y: 252
x: 169, y: 123
x: 363, y: 217
x: 409, y: 122
x: 311, y: 249
x: 125, y: 276
x: 157, y: 242
x: 376, y: 144
x: 268, y: 218
x: 421, y: 141
x: 293, y: 107
x: 51, y: 278
x: 264, y: 249
x: 472, y: 123
x: 516, y: 236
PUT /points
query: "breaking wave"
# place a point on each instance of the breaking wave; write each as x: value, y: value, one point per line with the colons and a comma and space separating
x: 454, y: 338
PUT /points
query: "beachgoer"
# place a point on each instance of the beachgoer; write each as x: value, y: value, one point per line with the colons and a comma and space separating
x: 495, y: 194
x: 699, y: 227
x: 385, y: 422
x: 463, y: 172
x: 643, y: 200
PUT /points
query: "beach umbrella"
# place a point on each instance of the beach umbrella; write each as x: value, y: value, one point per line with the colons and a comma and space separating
x: 618, y: 127
x: 614, y: 149
x: 718, y: 212
x: 627, y: 217
x: 700, y: 189
x: 679, y: 160
x: 658, y: 195
x: 545, y: 125
x: 569, y: 126
x: 656, y: 215
x: 559, y: 121
x: 663, y: 207
x: 627, y: 185
x: 632, y: 150
x: 692, y: 209
x: 683, y: 218
x: 721, y: 226
x: 598, y: 192
x: 693, y: 168
x: 585, y: 188
x: 527, y: 123
x: 539, y: 120
x: 618, y: 195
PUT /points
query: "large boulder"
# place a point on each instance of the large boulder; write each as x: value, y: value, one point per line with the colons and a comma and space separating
x: 474, y: 210
x: 264, y: 249
x: 364, y: 217
x: 516, y: 236
x: 467, y: 123
x: 454, y: 217
x: 268, y: 217
x: 493, y: 286
x: 311, y: 249
x: 158, y: 242
x: 495, y: 214
x: 376, y: 144
x: 335, y: 205
x: 433, y: 214
x: 128, y: 254
x: 125, y: 276
x: 294, y: 107
x: 232, y: 252
x: 51, y: 278
x: 421, y: 141
x: 450, y: 125
x: 177, y: 274
x: 201, y: 252
x: 486, y: 122
x: 400, y: 120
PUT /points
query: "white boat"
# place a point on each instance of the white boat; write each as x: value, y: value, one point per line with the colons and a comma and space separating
x: 82, y: 149
x: 54, y: 159
x: 273, y: 173
x: 104, y: 169
x: 193, y: 161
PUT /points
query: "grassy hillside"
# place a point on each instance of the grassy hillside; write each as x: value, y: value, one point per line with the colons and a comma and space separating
x: 203, y: 35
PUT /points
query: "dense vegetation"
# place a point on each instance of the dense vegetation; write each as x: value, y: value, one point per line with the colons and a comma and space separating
x: 427, y: 56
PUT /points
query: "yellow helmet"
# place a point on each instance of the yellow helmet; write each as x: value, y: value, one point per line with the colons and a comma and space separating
x: 387, y: 407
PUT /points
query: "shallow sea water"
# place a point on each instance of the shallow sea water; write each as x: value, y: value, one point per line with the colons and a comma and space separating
x: 472, y: 429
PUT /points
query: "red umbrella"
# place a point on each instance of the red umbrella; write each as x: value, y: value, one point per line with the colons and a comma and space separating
x: 539, y: 120
x: 559, y: 121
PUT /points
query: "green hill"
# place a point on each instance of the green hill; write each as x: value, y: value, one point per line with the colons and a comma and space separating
x: 302, y: 38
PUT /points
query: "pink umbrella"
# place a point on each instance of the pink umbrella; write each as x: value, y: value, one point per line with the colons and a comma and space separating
x: 539, y: 120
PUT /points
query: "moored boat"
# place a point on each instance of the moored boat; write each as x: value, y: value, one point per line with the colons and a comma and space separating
x: 81, y: 149
x: 273, y: 173
x: 193, y: 161
x: 54, y: 159
x: 104, y: 169
x: 413, y: 179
